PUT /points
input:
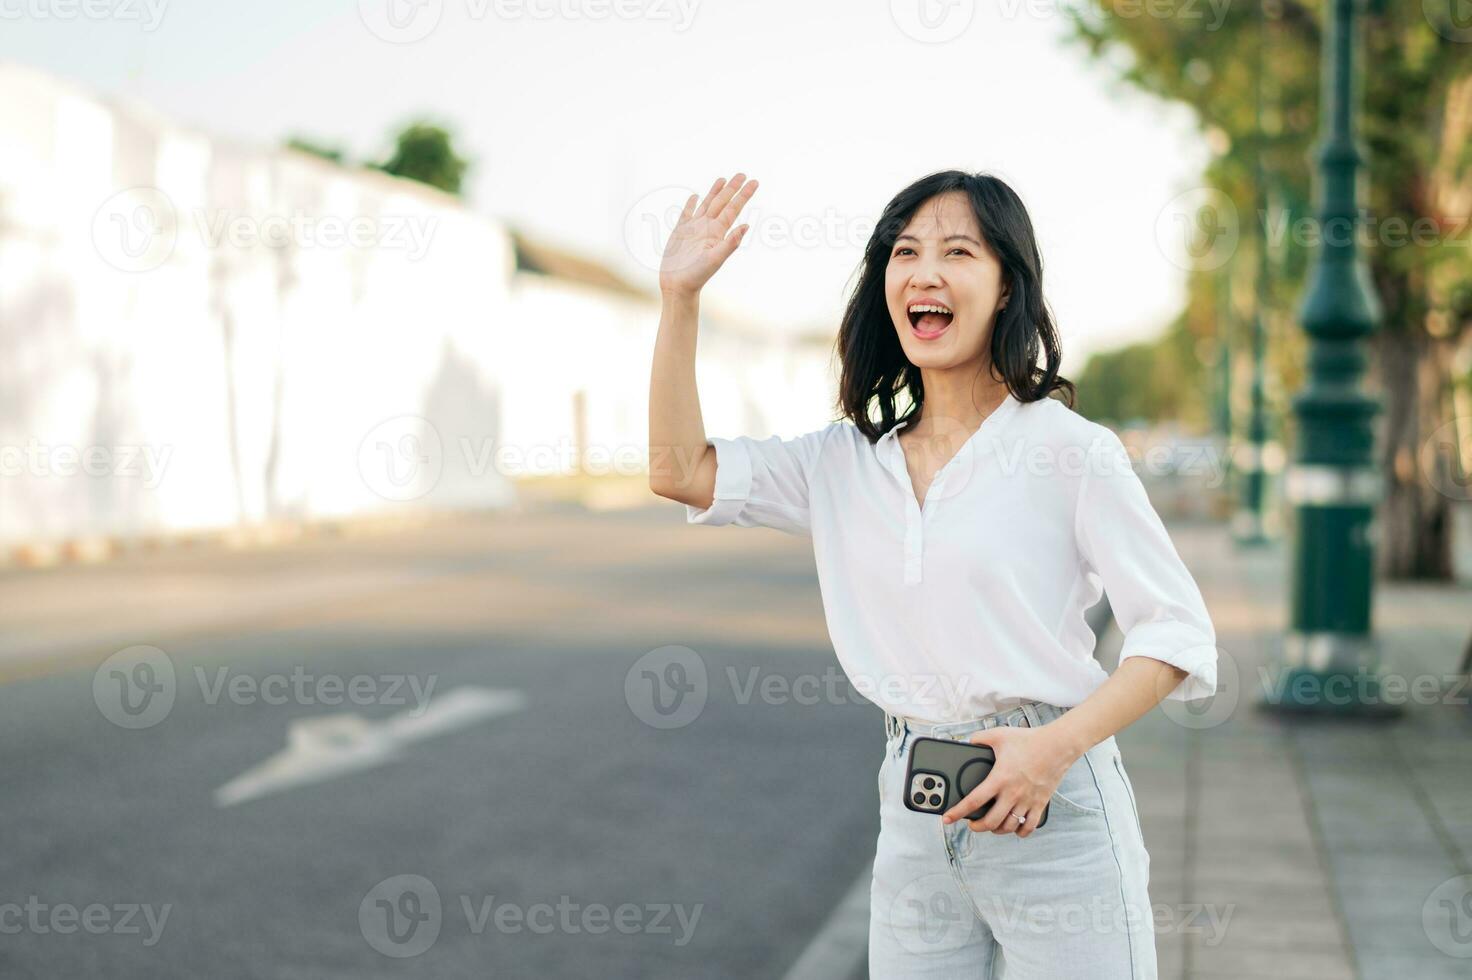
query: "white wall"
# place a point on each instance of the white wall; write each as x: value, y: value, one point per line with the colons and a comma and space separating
x: 567, y: 338
x: 202, y: 303
x: 188, y: 340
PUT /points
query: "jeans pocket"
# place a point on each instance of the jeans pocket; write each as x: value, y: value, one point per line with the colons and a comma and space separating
x: 1129, y: 787
x: 886, y: 770
x: 1078, y: 793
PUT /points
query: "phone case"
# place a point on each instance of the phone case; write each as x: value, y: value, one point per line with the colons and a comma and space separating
x: 959, y: 768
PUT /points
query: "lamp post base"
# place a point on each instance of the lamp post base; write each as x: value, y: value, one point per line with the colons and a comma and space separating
x: 1329, y: 673
x: 1300, y: 691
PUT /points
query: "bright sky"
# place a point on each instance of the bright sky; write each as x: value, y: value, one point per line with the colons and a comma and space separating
x: 581, y: 115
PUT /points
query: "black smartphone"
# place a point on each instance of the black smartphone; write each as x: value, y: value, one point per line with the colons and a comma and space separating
x: 941, y: 773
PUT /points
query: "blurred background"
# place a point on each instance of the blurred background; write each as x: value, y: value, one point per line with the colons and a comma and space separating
x: 340, y: 634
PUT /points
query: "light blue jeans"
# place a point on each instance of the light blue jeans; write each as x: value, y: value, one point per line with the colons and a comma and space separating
x: 1069, y: 900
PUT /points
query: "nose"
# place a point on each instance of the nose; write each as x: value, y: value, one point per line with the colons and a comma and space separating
x: 925, y: 274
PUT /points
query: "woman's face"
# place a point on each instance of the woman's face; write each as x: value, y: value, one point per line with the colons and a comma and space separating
x: 941, y: 260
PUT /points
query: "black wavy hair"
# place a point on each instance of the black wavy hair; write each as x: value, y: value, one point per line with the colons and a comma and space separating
x: 874, y: 365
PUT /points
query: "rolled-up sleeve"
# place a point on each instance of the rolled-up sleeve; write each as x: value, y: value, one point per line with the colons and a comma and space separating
x: 1155, y: 600
x: 762, y: 482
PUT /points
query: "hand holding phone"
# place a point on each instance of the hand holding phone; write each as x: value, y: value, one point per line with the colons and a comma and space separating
x: 941, y: 773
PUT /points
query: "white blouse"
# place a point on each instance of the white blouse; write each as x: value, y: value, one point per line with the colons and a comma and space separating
x: 953, y: 610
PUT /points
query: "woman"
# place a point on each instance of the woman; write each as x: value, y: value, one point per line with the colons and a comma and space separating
x: 958, y: 544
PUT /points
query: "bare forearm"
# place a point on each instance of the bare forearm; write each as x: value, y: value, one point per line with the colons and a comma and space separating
x: 677, y: 443
x: 1136, y: 686
x: 681, y: 465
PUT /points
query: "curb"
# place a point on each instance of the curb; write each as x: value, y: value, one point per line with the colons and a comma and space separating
x: 538, y: 494
x: 92, y: 550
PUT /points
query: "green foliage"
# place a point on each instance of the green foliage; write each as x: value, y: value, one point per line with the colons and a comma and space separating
x: 1212, y: 61
x: 315, y: 149
x: 424, y: 152
x: 1148, y: 381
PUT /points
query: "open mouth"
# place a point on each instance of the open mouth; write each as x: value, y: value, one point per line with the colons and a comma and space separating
x: 929, y: 320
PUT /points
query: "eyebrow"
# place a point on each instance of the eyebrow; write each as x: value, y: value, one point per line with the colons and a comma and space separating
x: 949, y: 238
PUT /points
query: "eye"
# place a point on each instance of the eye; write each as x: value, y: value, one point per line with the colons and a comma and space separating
x: 958, y: 248
x: 903, y: 248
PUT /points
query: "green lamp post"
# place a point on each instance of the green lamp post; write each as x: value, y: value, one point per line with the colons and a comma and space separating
x: 1330, y: 661
x: 1250, y: 524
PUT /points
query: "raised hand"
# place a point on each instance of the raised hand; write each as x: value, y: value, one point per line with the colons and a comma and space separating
x: 702, y: 239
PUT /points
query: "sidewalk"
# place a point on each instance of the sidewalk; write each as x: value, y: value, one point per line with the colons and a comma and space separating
x: 1293, y: 848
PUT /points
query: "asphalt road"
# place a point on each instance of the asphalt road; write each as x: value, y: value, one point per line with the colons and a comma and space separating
x: 585, y: 830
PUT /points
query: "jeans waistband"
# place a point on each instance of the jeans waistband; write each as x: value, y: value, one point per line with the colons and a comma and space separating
x: 1026, y: 713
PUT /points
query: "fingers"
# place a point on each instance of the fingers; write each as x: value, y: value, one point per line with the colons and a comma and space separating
x: 710, y: 196
x: 724, y: 195
x: 720, y: 196
x: 974, y: 800
x: 734, y: 239
x: 1034, y: 814
x: 1001, y: 819
x: 998, y: 819
x: 733, y: 209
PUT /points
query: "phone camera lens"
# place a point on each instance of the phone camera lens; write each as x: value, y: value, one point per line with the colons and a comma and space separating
x: 935, y: 800
x: 929, y: 783
x: 919, y: 799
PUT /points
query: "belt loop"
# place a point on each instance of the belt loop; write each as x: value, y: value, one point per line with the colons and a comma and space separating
x: 1030, y: 712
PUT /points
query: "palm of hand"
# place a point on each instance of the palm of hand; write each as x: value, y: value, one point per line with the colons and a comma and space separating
x: 702, y: 239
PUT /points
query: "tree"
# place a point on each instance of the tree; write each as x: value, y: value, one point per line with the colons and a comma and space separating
x: 1151, y: 380
x: 1415, y: 123
x: 424, y: 152
x: 316, y: 149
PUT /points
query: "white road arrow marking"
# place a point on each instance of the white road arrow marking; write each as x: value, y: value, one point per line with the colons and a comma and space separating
x: 318, y: 749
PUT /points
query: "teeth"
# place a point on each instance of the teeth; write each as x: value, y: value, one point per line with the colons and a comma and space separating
x: 929, y: 308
